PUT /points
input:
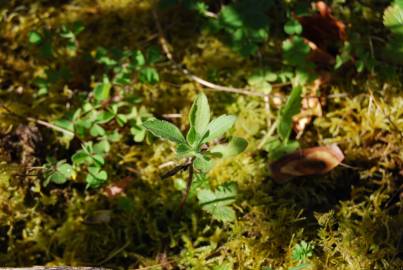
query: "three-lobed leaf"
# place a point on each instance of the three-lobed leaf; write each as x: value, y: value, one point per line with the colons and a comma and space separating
x: 217, y: 202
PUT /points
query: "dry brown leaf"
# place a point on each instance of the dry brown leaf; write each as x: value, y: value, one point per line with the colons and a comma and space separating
x: 309, y: 161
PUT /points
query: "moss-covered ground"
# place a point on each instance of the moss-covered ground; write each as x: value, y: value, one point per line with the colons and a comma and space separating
x: 352, y: 216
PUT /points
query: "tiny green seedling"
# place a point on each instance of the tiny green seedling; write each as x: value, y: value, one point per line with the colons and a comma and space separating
x: 195, y: 147
x: 302, y: 251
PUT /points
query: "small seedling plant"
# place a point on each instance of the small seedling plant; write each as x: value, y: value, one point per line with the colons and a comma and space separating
x: 197, y: 147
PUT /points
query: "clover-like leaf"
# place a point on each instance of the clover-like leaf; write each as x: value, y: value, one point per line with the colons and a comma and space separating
x: 292, y: 27
x: 165, y: 130
x: 96, y: 177
x: 102, y: 90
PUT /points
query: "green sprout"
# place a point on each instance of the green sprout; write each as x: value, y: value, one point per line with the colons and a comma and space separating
x: 196, y: 147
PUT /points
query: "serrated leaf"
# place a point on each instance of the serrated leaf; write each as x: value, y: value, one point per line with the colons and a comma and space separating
x: 199, y: 115
x: 218, y: 127
x: 291, y: 108
x: 234, y: 147
x: 165, y: 130
x: 216, y: 202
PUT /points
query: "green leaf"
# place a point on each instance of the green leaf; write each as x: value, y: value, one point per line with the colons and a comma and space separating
x: 65, y: 124
x: 99, y: 160
x: 97, y: 130
x: 96, y: 177
x: 202, y: 164
x: 114, y: 136
x: 121, y: 119
x: 65, y: 169
x: 393, y: 19
x: 293, y: 27
x: 138, y: 133
x: 102, y: 90
x: 34, y: 38
x: 191, y: 136
x: 216, y: 202
x: 138, y: 58
x: 295, y: 52
x: 277, y: 149
x: 153, y: 55
x: 57, y: 178
x: 80, y: 157
x: 104, y: 117
x: 102, y: 147
x: 165, y: 130
x: 234, y: 147
x: 199, y: 115
x: 291, y: 108
x: 183, y: 150
x: 149, y: 75
x: 218, y: 127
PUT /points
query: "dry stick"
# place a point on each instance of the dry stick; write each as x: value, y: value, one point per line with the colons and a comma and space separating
x: 38, y: 121
x: 210, y: 85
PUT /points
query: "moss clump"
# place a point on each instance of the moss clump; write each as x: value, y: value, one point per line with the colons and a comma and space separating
x: 352, y: 216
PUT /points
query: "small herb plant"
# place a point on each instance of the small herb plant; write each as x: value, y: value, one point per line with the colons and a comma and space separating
x: 302, y: 251
x: 197, y: 146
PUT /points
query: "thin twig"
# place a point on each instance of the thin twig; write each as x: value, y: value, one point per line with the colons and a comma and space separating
x: 188, y: 185
x: 268, y: 135
x: 38, y: 121
x: 210, y: 85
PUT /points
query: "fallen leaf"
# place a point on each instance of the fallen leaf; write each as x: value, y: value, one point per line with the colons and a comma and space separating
x: 323, y: 32
x: 309, y: 161
x: 117, y: 188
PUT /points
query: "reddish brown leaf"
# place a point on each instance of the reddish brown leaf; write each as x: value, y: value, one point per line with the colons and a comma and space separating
x: 117, y: 188
x: 310, y: 161
x: 323, y: 33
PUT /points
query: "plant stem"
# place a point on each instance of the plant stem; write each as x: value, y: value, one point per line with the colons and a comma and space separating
x: 188, y: 184
x: 268, y: 134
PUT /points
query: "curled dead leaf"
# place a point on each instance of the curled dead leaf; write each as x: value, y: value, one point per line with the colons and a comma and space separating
x: 309, y: 161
